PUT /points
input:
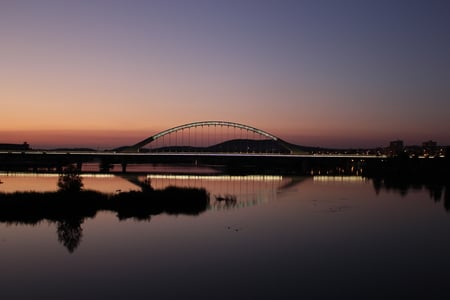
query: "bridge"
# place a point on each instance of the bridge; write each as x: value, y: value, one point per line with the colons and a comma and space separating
x: 237, y: 146
x: 209, y: 136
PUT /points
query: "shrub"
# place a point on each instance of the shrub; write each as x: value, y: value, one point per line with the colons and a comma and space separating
x: 70, y: 180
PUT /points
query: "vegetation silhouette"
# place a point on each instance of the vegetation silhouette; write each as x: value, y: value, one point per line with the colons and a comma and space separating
x: 69, y: 208
x: 438, y: 189
x: 70, y: 180
x: 402, y: 174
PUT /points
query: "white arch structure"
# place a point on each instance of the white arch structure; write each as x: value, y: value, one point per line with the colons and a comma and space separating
x: 152, y: 138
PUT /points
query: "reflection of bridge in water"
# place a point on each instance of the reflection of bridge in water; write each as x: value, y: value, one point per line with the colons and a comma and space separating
x: 227, y: 191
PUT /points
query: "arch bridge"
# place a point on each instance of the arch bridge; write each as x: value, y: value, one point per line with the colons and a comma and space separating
x: 244, y: 138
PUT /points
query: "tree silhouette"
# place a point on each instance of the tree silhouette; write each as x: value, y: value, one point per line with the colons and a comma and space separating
x: 70, y: 180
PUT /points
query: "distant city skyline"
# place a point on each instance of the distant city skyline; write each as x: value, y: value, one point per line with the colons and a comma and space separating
x: 317, y: 73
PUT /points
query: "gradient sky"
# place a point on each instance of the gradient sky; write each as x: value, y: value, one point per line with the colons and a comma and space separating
x: 320, y: 73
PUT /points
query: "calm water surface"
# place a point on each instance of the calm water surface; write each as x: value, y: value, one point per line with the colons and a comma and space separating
x: 272, y: 237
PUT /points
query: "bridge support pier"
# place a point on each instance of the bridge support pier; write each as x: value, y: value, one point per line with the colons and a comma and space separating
x: 304, y: 166
x: 124, y: 167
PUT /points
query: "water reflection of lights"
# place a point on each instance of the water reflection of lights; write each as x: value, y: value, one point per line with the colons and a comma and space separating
x: 227, y: 191
x: 22, y: 174
x: 339, y: 178
x: 217, y: 177
x: 97, y: 175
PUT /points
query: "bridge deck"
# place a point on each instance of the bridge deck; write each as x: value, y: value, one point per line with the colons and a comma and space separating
x: 191, y: 154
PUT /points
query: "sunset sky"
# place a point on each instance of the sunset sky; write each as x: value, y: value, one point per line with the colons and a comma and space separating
x: 320, y: 73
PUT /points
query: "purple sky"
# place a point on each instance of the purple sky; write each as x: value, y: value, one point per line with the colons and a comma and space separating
x: 321, y: 73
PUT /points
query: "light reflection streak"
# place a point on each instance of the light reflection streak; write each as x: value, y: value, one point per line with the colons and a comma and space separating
x: 22, y: 174
x: 339, y: 178
x: 217, y: 177
x: 245, y: 191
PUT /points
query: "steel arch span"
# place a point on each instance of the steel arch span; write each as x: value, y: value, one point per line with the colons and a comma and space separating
x: 161, y: 134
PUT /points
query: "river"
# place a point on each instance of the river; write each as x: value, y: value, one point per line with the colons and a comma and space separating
x: 260, y: 237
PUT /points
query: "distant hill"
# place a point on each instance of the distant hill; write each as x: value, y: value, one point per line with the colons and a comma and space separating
x: 232, y: 146
x: 246, y: 146
x: 73, y: 149
x: 249, y: 146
